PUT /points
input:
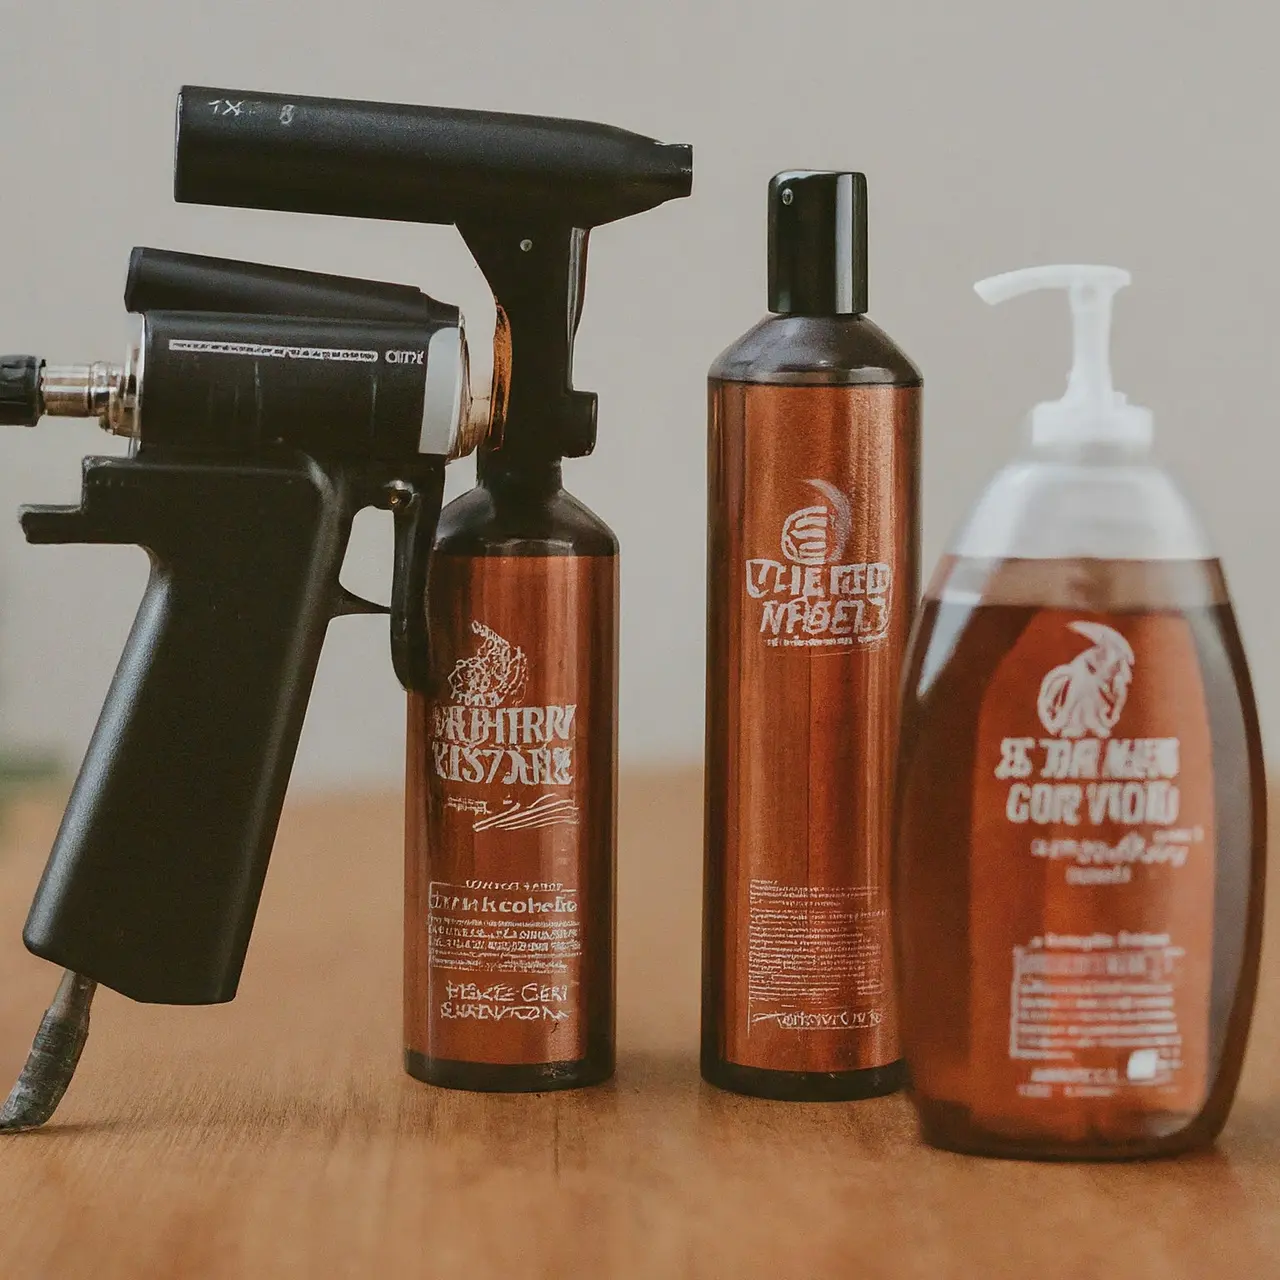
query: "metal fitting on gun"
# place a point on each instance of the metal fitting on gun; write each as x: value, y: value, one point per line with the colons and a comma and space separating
x: 108, y: 392
x: 475, y: 419
x: 483, y: 412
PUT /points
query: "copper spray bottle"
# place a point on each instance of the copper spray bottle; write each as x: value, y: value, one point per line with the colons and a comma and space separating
x: 812, y: 582
x: 511, y: 786
x: 512, y: 758
x: 1082, y: 828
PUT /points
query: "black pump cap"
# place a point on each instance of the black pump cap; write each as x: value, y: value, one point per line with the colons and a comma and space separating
x: 818, y: 243
x: 20, y: 400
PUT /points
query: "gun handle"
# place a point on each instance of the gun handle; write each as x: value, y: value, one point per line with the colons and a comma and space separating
x: 155, y: 875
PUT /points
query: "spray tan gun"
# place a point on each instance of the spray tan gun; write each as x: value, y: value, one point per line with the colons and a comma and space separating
x: 267, y: 408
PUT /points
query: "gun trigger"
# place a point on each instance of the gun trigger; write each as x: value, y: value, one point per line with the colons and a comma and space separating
x: 416, y: 509
x: 346, y: 603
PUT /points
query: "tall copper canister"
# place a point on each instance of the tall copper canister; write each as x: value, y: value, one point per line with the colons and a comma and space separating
x: 509, y: 925
x: 813, y: 578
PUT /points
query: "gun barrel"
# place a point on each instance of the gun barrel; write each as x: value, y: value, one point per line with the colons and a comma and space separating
x: 415, y: 164
x: 163, y: 280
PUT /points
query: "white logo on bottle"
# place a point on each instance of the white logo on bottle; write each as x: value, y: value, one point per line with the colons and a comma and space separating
x: 497, y: 671
x: 1087, y: 694
x: 819, y: 535
x: 811, y: 597
x: 1082, y: 776
x: 478, y: 738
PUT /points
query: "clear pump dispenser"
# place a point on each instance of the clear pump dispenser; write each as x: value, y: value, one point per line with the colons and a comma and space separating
x: 1080, y: 832
x: 1088, y: 486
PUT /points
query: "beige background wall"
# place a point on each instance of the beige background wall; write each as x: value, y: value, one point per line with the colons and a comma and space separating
x: 995, y: 133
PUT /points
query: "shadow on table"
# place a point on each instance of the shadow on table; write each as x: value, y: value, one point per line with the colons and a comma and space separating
x: 1253, y: 1131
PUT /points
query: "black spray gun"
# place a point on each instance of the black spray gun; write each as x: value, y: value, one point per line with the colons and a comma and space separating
x: 266, y: 408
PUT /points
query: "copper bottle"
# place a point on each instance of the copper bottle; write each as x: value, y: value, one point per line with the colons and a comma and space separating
x: 510, y: 836
x: 812, y: 582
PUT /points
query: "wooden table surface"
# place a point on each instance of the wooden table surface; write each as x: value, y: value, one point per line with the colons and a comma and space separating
x: 277, y: 1137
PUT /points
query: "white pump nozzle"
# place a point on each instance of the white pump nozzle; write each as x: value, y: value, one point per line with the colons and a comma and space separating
x: 1091, y: 411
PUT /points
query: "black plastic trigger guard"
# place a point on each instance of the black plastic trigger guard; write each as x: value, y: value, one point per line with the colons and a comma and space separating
x: 415, y: 502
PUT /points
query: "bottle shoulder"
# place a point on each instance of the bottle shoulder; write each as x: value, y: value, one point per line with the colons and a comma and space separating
x: 1050, y: 508
x: 816, y: 350
x: 498, y: 522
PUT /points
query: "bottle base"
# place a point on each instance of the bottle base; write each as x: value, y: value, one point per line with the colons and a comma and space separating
x: 949, y: 1128
x: 491, y: 1077
x: 804, y: 1086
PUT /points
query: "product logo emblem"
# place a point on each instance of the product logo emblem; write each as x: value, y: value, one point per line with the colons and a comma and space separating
x: 813, y: 597
x: 1082, y: 776
x: 484, y: 736
x: 496, y: 672
x: 819, y: 535
x: 1087, y: 694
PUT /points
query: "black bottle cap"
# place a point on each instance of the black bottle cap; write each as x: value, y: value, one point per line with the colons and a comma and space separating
x: 818, y: 243
x: 20, y: 404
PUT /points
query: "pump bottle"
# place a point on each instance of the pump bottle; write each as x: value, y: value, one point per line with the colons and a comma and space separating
x: 1080, y: 834
x: 813, y: 511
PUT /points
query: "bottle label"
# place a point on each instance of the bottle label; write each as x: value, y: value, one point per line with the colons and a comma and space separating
x: 813, y: 525
x: 809, y: 592
x: 510, y: 876
x: 1093, y: 874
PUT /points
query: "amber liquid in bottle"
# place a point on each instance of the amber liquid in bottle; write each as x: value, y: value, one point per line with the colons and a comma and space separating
x: 511, y: 794
x: 1080, y: 858
x: 812, y: 584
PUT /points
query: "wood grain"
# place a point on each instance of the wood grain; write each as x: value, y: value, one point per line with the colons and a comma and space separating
x: 277, y: 1137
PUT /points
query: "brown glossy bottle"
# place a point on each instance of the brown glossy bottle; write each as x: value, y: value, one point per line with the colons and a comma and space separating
x: 1080, y: 917
x: 1081, y: 832
x: 511, y: 796
x: 812, y: 582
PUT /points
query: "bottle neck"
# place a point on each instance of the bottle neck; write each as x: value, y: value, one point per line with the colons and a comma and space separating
x: 819, y: 311
x: 533, y: 477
